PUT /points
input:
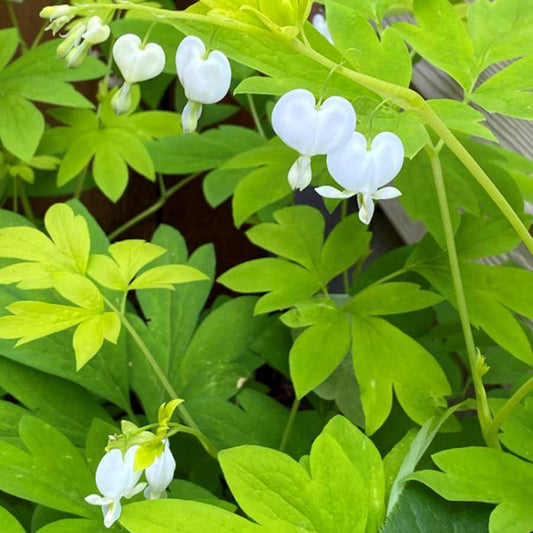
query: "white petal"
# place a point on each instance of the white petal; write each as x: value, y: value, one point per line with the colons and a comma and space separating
x: 319, y: 22
x: 300, y: 174
x: 96, y: 31
x: 111, y: 513
x: 129, y: 461
x: 190, y: 116
x: 160, y: 473
x: 388, y: 155
x: 351, y: 165
x: 205, y: 79
x: 135, y: 490
x: 312, y: 131
x: 330, y: 192
x: 366, y: 208
x: 190, y: 49
x: 135, y: 63
x: 115, y: 476
x: 386, y: 193
x: 111, y: 475
x: 94, y: 499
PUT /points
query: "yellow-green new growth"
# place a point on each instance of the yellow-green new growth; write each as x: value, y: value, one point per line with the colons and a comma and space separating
x: 62, y: 261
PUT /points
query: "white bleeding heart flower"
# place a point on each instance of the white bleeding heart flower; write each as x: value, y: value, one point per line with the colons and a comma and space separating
x: 136, y: 63
x: 311, y: 130
x: 206, y: 78
x: 115, y: 479
x: 319, y: 22
x: 160, y: 474
x: 363, y: 173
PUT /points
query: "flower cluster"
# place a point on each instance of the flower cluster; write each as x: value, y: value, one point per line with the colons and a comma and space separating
x: 117, y: 478
x: 205, y: 76
x: 329, y: 129
x: 82, y: 35
x: 129, y: 455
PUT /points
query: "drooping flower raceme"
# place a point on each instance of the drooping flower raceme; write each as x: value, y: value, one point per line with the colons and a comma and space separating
x: 116, y: 479
x: 311, y: 130
x: 137, y: 62
x: 206, y: 78
x: 364, y: 172
x: 319, y: 22
x: 160, y: 474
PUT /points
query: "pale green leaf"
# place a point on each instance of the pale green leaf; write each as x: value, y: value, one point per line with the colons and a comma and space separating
x: 385, y: 358
x: 169, y: 516
x: 486, y: 475
x: 134, y: 254
x: 90, y: 334
x: 392, y: 298
x: 70, y: 234
x: 288, y: 283
x: 461, y: 117
x: 317, y: 351
x: 21, y: 127
x: 385, y: 57
x: 297, y: 235
x: 33, y: 320
x: 509, y: 91
x: 166, y: 276
x: 441, y: 38
x: 107, y: 273
x: 80, y: 291
x: 110, y: 170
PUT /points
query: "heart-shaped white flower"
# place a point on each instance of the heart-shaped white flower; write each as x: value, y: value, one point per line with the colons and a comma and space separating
x: 364, y: 172
x: 310, y: 129
x: 137, y: 63
x: 206, y: 78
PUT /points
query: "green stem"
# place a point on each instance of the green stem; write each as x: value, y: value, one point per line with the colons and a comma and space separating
x: 165, y: 195
x: 485, y: 417
x: 345, y: 274
x: 15, y: 194
x: 159, y: 373
x: 290, y: 425
x: 81, y: 183
x: 16, y: 25
x: 507, y: 408
x: 255, y: 115
x: 28, y: 211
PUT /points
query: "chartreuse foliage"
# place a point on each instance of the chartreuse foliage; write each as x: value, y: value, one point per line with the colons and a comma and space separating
x: 391, y: 341
x: 37, y: 76
x: 384, y: 358
x: 62, y: 261
x: 340, y: 486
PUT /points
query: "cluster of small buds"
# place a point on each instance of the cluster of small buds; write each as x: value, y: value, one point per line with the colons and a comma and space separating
x: 329, y: 129
x: 83, y: 34
x: 59, y: 16
x: 80, y: 38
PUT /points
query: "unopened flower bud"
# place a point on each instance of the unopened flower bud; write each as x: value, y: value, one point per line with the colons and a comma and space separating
x: 77, y: 56
x: 96, y: 32
x: 72, y: 39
